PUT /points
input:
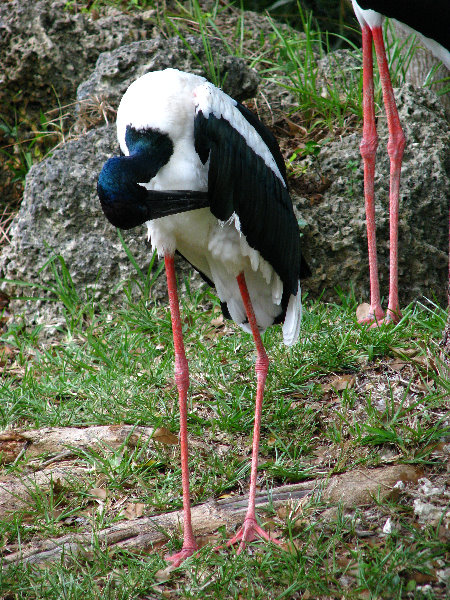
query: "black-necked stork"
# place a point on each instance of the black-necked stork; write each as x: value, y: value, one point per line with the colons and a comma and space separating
x: 431, y: 21
x: 210, y: 182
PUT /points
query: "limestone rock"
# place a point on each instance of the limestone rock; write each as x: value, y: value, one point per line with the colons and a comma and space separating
x: 47, y: 49
x: 117, y: 69
x: 335, y: 240
x: 60, y: 213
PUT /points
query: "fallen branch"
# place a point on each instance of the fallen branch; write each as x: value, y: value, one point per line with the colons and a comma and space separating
x: 351, y: 489
x: 147, y: 532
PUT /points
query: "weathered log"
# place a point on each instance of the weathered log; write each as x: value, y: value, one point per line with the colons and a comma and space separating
x: 147, y: 532
x: 350, y: 489
x: 58, y: 439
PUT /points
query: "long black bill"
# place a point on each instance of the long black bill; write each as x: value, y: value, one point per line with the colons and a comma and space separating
x: 171, y: 202
x: 127, y: 204
x: 150, y: 205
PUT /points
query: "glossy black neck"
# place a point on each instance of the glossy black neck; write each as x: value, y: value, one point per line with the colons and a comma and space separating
x: 124, y: 201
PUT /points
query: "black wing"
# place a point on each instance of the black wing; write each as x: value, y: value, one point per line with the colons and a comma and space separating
x: 240, y: 181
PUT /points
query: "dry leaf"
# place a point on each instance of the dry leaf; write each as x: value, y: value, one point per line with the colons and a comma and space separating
x: 218, y: 321
x: 362, y: 311
x: 424, y: 386
x: 422, y: 361
x: 164, y: 436
x: 339, y: 383
x: 6, y: 352
x: 134, y: 510
x: 164, y: 574
x: 119, y: 503
x: 99, y: 493
x: 422, y: 578
x: 397, y: 364
x: 295, y: 129
x: 409, y: 352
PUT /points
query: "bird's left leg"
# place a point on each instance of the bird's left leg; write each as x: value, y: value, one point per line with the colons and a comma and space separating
x: 182, y: 381
x: 250, y: 529
x: 396, y: 146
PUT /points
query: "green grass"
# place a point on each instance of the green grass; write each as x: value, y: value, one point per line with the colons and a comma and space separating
x: 116, y: 366
x: 24, y: 143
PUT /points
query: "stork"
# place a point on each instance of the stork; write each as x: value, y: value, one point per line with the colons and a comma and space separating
x: 210, y: 182
x: 432, y: 26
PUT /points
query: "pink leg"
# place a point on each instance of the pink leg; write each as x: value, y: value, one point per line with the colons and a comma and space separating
x: 396, y: 146
x: 250, y: 530
x: 368, y: 149
x: 182, y: 381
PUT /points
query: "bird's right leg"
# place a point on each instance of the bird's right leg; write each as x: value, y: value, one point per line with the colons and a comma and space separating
x: 396, y: 146
x: 250, y: 529
x: 182, y: 381
x: 368, y: 149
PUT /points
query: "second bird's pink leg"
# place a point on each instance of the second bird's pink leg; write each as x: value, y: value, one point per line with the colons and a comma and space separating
x: 368, y: 149
x: 396, y: 146
x: 182, y: 381
x: 250, y: 529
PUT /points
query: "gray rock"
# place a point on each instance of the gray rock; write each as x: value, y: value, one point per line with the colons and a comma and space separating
x: 340, y: 71
x: 47, y: 49
x: 335, y: 236
x: 60, y: 214
x: 117, y: 69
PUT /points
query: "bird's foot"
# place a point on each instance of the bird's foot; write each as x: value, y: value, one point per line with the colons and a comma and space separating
x: 177, y: 558
x: 371, y: 315
x: 249, y: 532
x: 391, y: 318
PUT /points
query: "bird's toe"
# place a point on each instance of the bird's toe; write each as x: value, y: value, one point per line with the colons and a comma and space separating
x: 249, y: 532
x: 177, y: 558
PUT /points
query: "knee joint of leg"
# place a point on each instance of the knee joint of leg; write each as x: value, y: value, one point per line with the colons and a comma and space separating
x: 181, y: 372
x: 396, y: 145
x: 368, y: 146
x: 262, y: 364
